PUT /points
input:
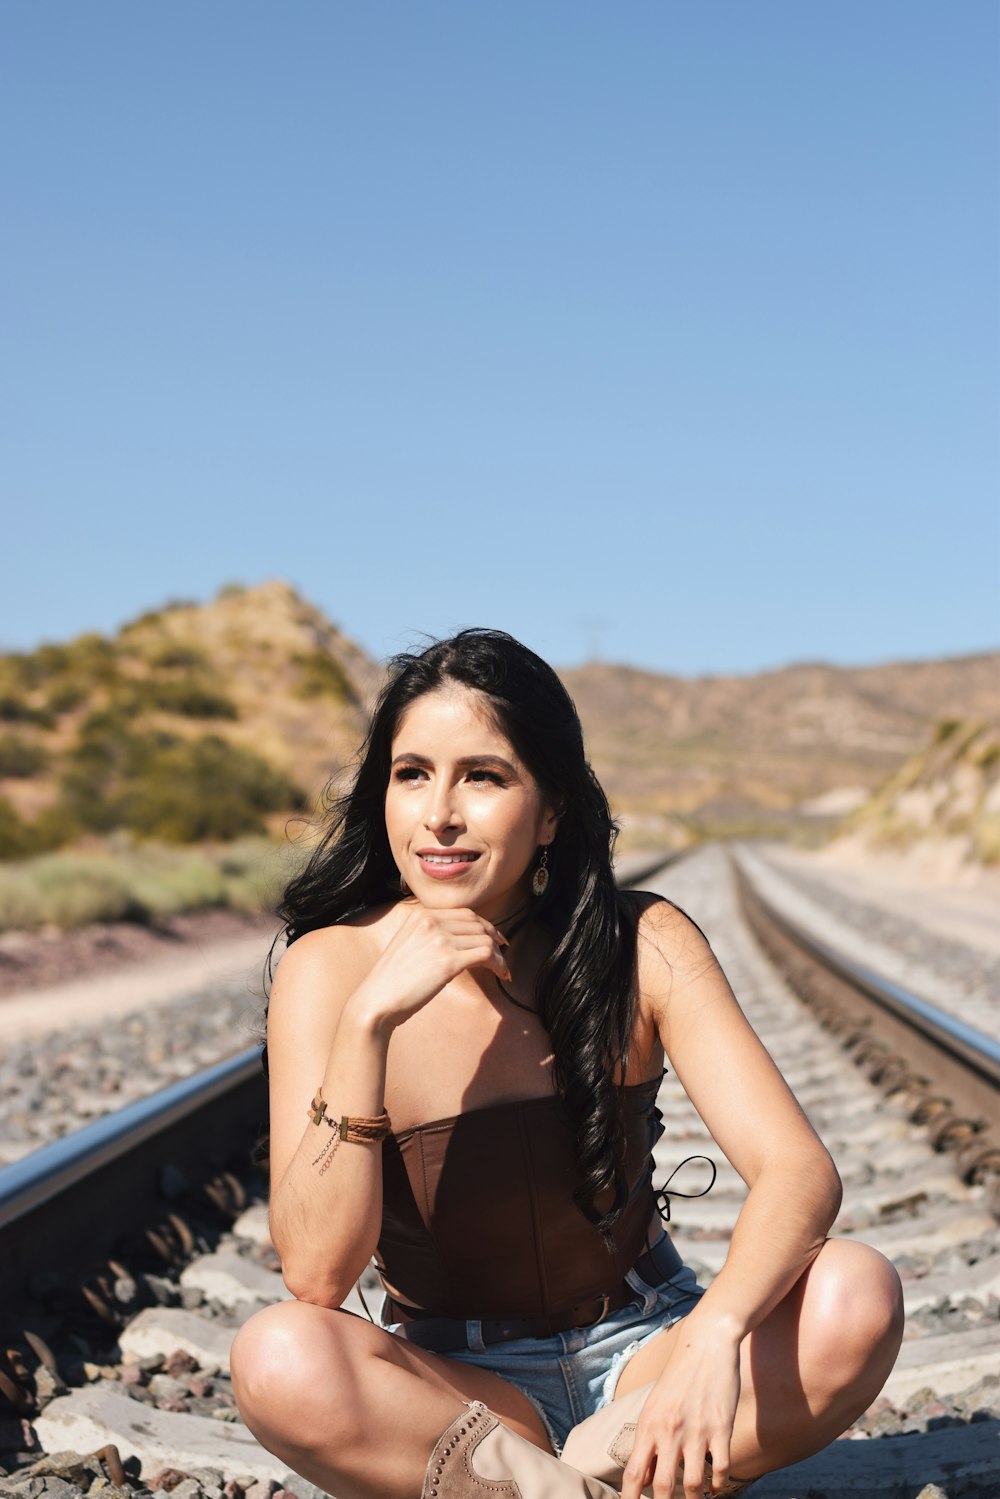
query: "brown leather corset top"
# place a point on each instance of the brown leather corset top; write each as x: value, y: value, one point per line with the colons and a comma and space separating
x: 478, y: 1217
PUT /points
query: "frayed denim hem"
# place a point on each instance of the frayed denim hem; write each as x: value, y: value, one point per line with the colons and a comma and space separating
x: 614, y: 1374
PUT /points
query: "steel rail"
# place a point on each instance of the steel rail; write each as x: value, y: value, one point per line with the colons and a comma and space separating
x: 906, y: 1043
x: 980, y: 1052
x: 51, y: 1169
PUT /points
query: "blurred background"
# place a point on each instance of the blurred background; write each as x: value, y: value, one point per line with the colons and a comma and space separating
x: 666, y: 339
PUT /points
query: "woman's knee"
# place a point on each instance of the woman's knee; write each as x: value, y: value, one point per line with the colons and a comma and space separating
x: 287, y: 1362
x: 853, y: 1310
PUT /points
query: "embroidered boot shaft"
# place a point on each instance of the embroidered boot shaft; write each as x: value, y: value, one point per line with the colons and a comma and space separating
x: 479, y: 1458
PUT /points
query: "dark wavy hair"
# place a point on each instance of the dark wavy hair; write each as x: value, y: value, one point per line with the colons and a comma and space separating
x: 585, y: 988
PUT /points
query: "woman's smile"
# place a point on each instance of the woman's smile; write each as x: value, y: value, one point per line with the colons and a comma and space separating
x: 446, y: 865
x: 460, y: 809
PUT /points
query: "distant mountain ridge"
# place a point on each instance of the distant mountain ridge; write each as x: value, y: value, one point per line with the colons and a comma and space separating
x: 745, y: 753
x: 206, y: 720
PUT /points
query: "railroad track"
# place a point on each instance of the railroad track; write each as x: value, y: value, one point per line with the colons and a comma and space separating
x: 133, y: 1250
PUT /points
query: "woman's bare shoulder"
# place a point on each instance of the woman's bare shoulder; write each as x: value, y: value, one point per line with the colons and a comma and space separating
x: 656, y: 915
x: 669, y: 942
x: 334, y: 958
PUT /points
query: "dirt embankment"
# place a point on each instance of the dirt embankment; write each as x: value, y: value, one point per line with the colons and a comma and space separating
x: 41, y: 959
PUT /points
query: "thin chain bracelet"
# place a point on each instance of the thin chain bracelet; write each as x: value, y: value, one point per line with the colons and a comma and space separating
x: 356, y: 1131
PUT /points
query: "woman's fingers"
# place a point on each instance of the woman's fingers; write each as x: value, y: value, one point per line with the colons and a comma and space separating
x: 671, y: 1469
x: 695, y: 1474
x: 718, y: 1469
x: 638, y: 1469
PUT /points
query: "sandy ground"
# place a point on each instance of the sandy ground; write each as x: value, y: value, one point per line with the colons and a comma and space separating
x: 964, y: 907
x: 130, y: 986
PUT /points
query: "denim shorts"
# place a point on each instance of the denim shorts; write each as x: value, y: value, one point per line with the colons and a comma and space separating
x: 570, y: 1375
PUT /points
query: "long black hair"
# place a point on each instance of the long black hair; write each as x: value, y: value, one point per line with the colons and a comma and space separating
x: 585, y: 988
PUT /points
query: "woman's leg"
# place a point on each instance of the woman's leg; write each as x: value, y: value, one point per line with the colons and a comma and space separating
x: 353, y: 1408
x: 814, y: 1364
x: 366, y: 1415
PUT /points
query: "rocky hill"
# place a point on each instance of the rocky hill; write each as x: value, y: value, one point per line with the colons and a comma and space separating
x: 942, y: 803
x: 193, y: 722
x: 207, y: 721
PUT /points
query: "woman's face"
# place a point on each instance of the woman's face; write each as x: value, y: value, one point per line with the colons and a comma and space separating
x: 464, y: 816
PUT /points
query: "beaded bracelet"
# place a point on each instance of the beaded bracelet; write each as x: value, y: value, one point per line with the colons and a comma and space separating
x: 356, y: 1131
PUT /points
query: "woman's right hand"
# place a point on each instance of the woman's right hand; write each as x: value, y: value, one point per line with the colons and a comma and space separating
x: 431, y: 948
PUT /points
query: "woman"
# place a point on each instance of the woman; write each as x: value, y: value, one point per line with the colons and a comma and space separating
x: 461, y: 963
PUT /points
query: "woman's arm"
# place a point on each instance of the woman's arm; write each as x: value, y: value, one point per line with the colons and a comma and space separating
x: 335, y: 1003
x: 321, y: 1034
x: 750, y: 1112
x: 794, y: 1194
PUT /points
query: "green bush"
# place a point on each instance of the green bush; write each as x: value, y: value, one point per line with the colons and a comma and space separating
x: 193, y: 884
x: 65, y: 698
x: 986, y: 840
x: 142, y: 881
x: 142, y: 621
x: 54, y: 828
x: 321, y: 675
x: 205, y: 788
x: 74, y: 891
x: 15, y: 834
x: 18, y: 901
x: 192, y: 698
x: 176, y: 653
x: 17, y: 709
x: 92, y: 660
x: 21, y: 757
x: 30, y: 669
x: 107, y: 755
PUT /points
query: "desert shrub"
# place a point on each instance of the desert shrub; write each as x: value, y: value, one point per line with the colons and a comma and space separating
x: 257, y: 870
x: 142, y: 621
x: 107, y: 755
x: 176, y: 653
x: 49, y: 661
x: 140, y: 881
x: 15, y: 834
x: 92, y: 659
x: 231, y: 591
x: 205, y: 788
x: 65, y: 697
x: 26, y: 670
x: 321, y: 675
x: 18, y: 904
x: 53, y: 828
x: 192, y: 883
x: 21, y: 757
x: 191, y: 698
x: 14, y: 708
x: 986, y: 840
x: 73, y: 891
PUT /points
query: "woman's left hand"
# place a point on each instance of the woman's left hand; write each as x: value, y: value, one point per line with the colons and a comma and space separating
x: 688, y: 1416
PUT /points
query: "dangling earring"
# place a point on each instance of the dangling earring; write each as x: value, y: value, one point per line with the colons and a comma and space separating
x: 540, y: 878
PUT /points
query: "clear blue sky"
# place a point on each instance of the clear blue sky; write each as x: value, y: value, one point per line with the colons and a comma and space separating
x: 666, y: 330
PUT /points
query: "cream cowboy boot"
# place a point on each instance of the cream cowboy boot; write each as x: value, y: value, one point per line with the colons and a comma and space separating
x: 479, y: 1458
x: 602, y: 1444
